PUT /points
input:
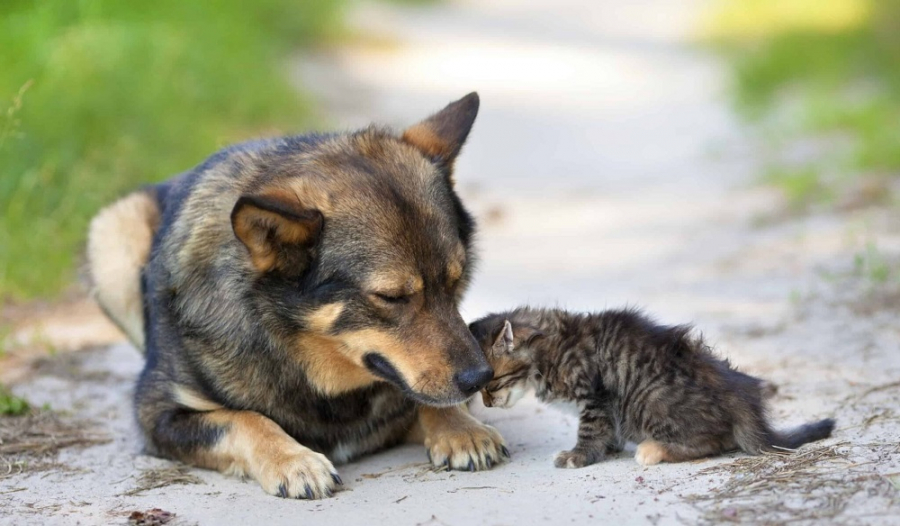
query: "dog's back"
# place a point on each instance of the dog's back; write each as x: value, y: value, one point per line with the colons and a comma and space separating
x: 121, y: 236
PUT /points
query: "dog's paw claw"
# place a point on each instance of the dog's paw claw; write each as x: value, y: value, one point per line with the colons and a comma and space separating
x: 300, y: 474
x: 472, y: 448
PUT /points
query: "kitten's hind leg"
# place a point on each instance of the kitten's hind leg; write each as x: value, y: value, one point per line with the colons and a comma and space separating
x: 596, y: 433
x: 650, y: 452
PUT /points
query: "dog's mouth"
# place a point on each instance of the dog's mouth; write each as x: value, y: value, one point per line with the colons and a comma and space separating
x: 382, y: 368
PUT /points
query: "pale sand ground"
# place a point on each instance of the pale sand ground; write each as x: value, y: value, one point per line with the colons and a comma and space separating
x: 606, y: 170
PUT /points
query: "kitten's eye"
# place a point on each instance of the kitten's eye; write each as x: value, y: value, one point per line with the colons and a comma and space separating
x: 392, y: 298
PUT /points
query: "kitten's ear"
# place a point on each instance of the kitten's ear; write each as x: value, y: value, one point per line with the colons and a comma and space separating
x: 504, y: 341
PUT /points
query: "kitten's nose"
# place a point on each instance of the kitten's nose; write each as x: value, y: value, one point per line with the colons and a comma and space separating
x: 486, y: 399
x: 472, y: 380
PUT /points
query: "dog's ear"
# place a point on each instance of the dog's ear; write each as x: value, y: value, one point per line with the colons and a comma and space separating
x: 280, y: 234
x: 441, y: 136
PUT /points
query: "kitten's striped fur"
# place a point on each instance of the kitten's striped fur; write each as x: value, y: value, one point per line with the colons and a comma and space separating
x: 633, y: 380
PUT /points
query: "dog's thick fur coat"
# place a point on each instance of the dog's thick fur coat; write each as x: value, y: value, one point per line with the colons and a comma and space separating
x: 297, y: 301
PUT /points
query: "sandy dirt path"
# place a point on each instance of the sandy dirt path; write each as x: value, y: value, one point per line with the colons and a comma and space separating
x: 606, y: 170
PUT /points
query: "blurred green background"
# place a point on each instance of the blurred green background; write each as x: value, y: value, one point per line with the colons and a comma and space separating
x: 821, y: 80
x: 100, y: 96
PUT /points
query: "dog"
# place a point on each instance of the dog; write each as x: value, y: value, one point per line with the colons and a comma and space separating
x: 297, y: 302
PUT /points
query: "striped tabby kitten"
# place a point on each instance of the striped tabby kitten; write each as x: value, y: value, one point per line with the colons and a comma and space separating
x: 632, y: 380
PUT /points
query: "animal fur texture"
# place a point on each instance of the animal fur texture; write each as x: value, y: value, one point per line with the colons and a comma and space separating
x: 631, y: 380
x: 297, y: 300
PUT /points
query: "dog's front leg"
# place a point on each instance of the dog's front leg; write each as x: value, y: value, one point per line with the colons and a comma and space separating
x: 454, y: 439
x: 245, y: 443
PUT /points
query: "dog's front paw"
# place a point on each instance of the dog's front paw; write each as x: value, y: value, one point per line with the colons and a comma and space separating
x: 577, y: 458
x: 472, y: 447
x: 298, y: 474
x: 650, y: 452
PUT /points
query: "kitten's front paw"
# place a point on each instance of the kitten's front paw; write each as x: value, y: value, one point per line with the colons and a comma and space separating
x: 473, y: 447
x: 577, y: 458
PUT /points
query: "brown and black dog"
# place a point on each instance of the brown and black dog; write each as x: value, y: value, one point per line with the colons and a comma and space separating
x: 297, y: 301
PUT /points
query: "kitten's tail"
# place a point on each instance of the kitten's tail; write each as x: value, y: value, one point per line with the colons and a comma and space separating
x: 798, y: 436
x: 754, y: 436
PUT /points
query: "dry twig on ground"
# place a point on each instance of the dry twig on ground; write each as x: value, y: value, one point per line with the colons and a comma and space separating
x: 162, y: 477
x: 30, y: 442
x: 806, y: 486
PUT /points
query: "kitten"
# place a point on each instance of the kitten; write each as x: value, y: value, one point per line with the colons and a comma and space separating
x: 632, y: 380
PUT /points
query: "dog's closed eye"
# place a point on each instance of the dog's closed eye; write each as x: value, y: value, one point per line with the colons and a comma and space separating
x: 392, y: 298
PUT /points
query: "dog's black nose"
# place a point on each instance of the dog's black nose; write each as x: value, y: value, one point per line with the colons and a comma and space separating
x: 472, y: 380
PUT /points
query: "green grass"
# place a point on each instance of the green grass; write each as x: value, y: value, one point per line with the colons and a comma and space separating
x: 5, y: 331
x: 11, y: 405
x: 872, y: 265
x: 100, y: 96
x: 800, y: 185
x: 804, y: 68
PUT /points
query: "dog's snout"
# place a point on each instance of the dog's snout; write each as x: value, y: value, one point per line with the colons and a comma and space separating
x: 472, y: 380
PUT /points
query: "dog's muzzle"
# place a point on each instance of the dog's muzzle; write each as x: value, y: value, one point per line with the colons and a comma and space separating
x: 472, y: 380
x: 380, y: 367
